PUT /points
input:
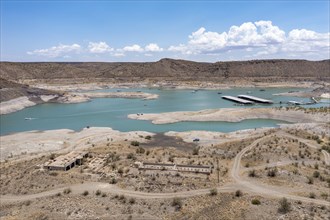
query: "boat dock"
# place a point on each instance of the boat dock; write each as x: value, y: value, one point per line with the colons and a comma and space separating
x: 255, y: 99
x: 295, y: 103
x: 238, y: 100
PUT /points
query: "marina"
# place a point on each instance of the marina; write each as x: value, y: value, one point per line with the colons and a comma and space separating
x: 255, y: 99
x: 238, y: 100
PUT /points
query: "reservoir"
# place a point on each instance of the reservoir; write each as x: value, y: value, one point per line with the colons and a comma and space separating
x: 112, y: 112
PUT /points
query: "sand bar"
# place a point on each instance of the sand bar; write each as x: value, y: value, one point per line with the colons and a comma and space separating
x: 231, y: 115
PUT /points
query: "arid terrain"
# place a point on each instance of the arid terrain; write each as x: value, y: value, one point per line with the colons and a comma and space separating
x: 101, y: 173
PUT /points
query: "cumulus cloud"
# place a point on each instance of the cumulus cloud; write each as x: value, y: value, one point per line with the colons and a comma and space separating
x: 153, y: 48
x: 133, y: 48
x: 261, y: 37
x: 99, y: 47
x: 56, y: 51
x: 306, y: 41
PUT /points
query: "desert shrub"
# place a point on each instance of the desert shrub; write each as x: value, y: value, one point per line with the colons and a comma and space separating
x: 131, y: 201
x: 272, y: 172
x: 316, y: 174
x: 252, y: 173
x: 213, y: 192
x: 120, y: 171
x: 312, y: 195
x: 171, y: 158
x: 131, y: 156
x: 326, y: 148
x: 177, y: 203
x: 310, y: 180
x: 113, y: 181
x: 140, y: 150
x: 53, y: 173
x: 85, y: 193
x: 238, y: 193
x: 67, y: 191
x: 148, y: 137
x: 255, y: 202
x: 122, y: 198
x: 324, y: 195
x: 135, y: 143
x: 98, y: 192
x: 284, y: 205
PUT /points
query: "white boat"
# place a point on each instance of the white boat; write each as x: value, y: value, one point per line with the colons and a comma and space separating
x: 29, y: 118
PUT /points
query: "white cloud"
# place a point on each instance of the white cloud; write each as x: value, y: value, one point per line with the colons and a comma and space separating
x: 56, y: 51
x: 99, y: 47
x: 153, y: 48
x: 133, y: 48
x: 180, y: 48
x: 119, y: 54
x: 260, y: 38
x: 307, y: 41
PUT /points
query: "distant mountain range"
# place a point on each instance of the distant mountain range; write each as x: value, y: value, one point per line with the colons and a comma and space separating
x: 14, y: 73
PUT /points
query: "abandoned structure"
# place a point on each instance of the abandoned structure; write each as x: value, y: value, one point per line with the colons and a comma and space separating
x: 174, y: 167
x: 66, y: 162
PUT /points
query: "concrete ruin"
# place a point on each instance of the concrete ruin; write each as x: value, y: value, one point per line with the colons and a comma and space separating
x: 66, y: 162
x: 174, y: 167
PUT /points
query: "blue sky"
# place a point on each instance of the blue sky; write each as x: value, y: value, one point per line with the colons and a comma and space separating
x: 150, y: 30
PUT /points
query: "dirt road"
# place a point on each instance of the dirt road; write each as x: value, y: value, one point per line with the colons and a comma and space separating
x: 263, y: 190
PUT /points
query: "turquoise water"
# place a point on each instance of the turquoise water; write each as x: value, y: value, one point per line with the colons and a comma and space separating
x: 111, y: 112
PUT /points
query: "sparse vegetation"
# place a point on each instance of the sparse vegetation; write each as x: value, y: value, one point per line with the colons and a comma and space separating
x: 252, y: 173
x: 284, y: 206
x: 177, y: 203
x: 238, y: 193
x: 67, y: 191
x: 213, y: 192
x: 255, y: 202
x: 135, y: 143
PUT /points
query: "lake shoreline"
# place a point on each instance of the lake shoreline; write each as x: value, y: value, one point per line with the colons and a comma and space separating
x: 231, y: 115
x: 22, y: 102
x: 77, y: 93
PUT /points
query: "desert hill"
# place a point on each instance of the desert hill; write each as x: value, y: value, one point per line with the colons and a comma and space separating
x: 168, y: 69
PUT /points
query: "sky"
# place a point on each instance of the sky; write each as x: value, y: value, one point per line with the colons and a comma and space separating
x: 138, y: 31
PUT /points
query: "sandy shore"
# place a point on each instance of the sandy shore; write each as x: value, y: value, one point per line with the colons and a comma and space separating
x: 169, y: 85
x: 231, y: 115
x: 129, y: 95
x: 207, y: 138
x: 23, y: 102
x: 15, y: 105
x: 35, y: 142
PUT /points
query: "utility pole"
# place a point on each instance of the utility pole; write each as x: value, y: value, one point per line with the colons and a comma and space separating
x: 218, y: 169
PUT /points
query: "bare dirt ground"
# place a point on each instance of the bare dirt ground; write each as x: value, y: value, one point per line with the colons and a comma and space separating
x: 117, y: 189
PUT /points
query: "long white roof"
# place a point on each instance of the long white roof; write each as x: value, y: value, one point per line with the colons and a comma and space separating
x: 237, y: 99
x: 255, y: 98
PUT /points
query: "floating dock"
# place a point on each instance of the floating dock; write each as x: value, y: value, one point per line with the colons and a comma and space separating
x: 255, y: 99
x: 295, y: 103
x: 238, y: 100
